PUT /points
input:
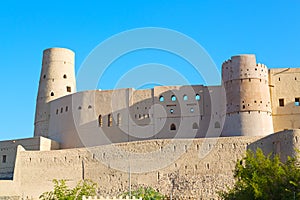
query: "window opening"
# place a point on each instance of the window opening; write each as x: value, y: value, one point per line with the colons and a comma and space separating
x: 172, y: 127
x: 281, y: 102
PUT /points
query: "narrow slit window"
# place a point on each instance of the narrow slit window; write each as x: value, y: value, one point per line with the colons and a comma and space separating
x: 109, y: 122
x: 118, y: 119
x: 4, y: 158
x: 100, y: 122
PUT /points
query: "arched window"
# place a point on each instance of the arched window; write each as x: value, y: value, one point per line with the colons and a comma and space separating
x: 217, y: 125
x: 109, y: 120
x: 161, y: 98
x: 52, y: 94
x: 185, y: 98
x: 173, y: 98
x: 118, y: 119
x: 172, y: 127
x: 197, y: 97
x: 100, y: 121
x: 171, y: 111
x: 195, y: 126
x: 65, y: 76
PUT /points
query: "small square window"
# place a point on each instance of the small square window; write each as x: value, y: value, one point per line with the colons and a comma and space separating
x: 281, y: 102
x: 297, y: 101
x: 4, y: 159
x: 68, y: 89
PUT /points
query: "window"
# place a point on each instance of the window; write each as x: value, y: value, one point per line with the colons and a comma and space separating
x: 44, y: 76
x: 4, y: 159
x: 89, y: 107
x: 185, y: 98
x: 171, y: 111
x: 68, y: 89
x: 61, y: 110
x: 52, y: 94
x: 100, y: 122
x: 281, y: 102
x: 67, y: 108
x: 56, y: 111
x: 118, y: 119
x: 172, y: 127
x: 297, y: 101
x: 161, y: 99
x: 191, y: 110
x: 109, y: 120
x: 217, y: 125
x: 173, y: 98
x: 195, y: 126
x: 65, y: 76
x: 197, y: 97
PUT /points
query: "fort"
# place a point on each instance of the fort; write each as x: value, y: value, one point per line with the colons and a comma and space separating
x: 182, y: 140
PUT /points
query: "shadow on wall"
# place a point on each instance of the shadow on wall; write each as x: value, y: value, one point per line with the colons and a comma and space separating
x: 173, y: 113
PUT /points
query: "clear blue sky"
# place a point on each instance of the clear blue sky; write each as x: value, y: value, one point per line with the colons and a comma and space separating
x: 270, y: 29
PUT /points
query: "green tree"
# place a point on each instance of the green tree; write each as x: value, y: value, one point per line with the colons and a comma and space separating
x: 147, y: 193
x: 264, y: 177
x: 62, y: 192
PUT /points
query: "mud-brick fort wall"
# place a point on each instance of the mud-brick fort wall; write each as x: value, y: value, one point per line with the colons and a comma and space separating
x: 191, y: 168
x: 8, y: 150
x: 285, y: 97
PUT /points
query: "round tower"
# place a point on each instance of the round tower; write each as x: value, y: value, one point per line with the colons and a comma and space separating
x: 248, y: 106
x: 57, y: 79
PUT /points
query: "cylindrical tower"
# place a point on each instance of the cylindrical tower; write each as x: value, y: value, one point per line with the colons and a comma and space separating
x: 57, y: 80
x: 248, y: 106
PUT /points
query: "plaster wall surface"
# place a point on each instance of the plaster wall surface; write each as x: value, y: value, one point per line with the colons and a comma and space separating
x: 57, y: 79
x: 191, y: 168
x: 248, y: 97
x: 93, y: 118
x: 8, y: 151
x: 195, y: 168
x: 285, y: 87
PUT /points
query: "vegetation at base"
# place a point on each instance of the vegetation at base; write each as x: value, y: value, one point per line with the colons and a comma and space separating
x: 147, y: 193
x: 264, y: 177
x: 62, y: 192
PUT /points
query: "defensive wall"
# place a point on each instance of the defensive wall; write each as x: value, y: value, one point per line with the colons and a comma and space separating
x: 187, y: 168
x: 8, y: 150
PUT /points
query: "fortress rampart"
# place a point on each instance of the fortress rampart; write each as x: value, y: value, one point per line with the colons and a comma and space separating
x: 192, y: 168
